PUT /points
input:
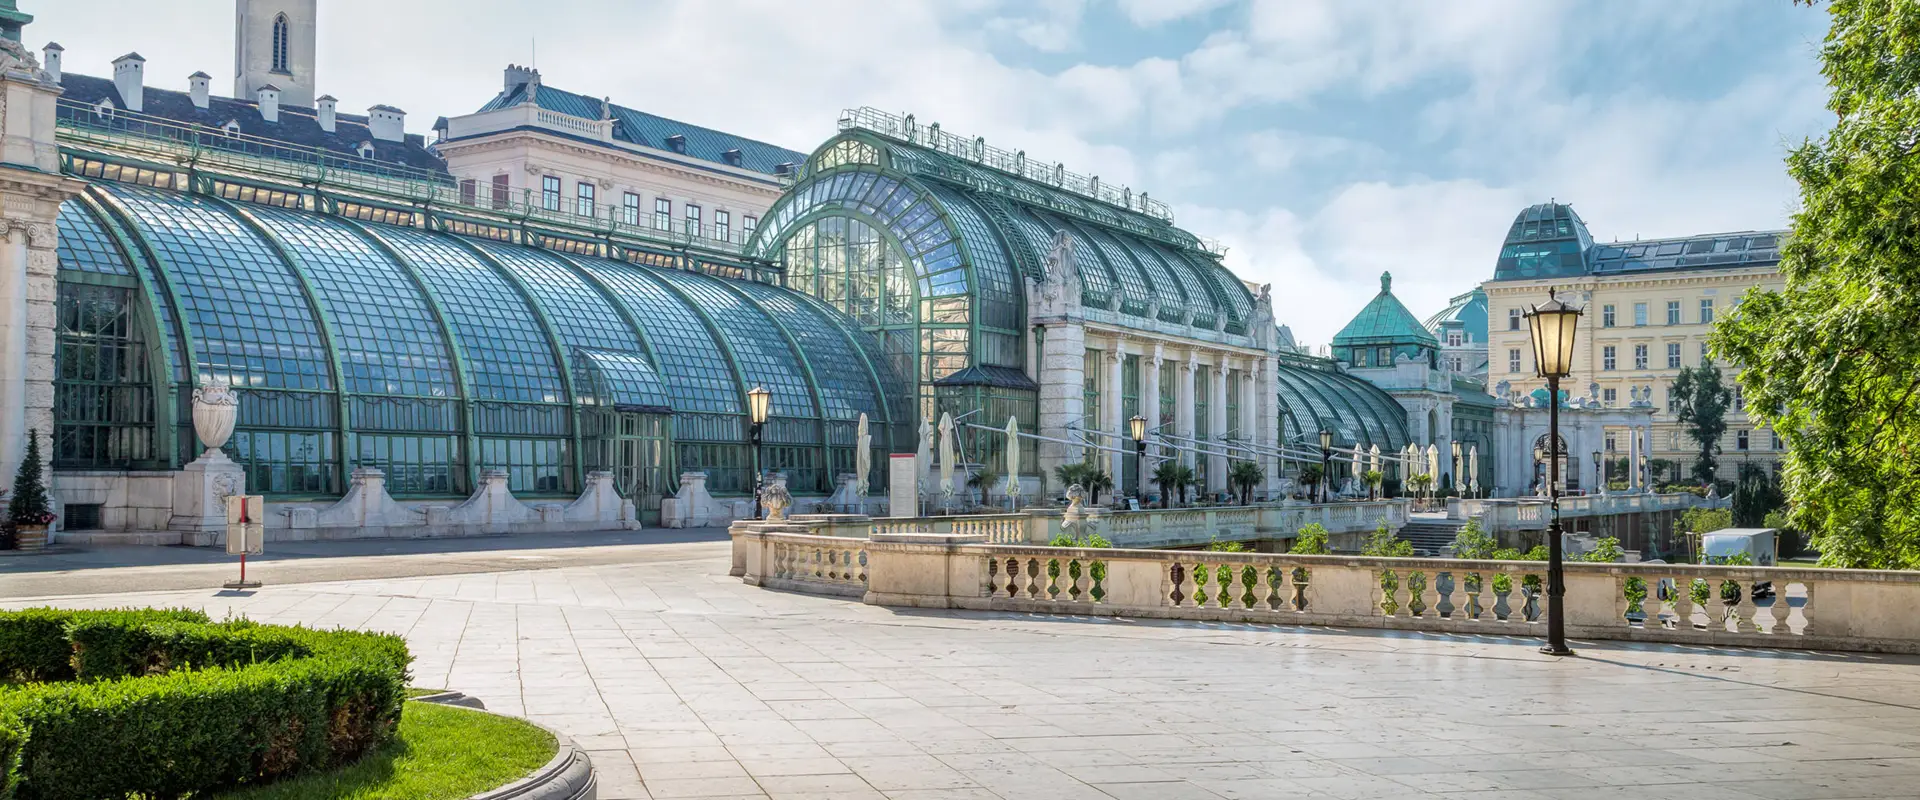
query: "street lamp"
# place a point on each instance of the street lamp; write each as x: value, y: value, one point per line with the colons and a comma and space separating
x: 1554, y: 324
x: 758, y: 401
x: 1459, y: 467
x: 1138, y: 427
x: 1598, y: 475
x: 1326, y: 461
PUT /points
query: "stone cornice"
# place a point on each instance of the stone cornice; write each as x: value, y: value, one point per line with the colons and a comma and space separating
x: 512, y: 139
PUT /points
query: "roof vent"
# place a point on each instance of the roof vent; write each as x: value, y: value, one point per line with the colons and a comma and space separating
x: 129, y: 77
x: 323, y: 111
x: 783, y: 168
x: 197, y: 88
x: 50, y: 55
x: 677, y: 143
x: 270, y: 103
x: 732, y: 156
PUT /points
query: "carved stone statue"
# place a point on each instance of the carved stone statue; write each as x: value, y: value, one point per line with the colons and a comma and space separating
x: 776, y: 499
x: 1075, y: 495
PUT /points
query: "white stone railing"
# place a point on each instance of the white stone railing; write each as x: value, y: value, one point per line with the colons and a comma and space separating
x: 1704, y: 605
x: 1530, y: 513
x: 1173, y: 527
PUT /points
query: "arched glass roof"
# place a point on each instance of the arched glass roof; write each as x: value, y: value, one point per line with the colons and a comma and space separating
x: 293, y: 302
x: 1358, y: 413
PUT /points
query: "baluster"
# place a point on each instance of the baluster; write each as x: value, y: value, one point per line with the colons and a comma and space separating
x: 1442, y: 588
x: 1036, y: 579
x: 1475, y: 586
x: 1183, y: 585
x: 1013, y: 577
x: 780, y: 561
x: 1082, y: 581
x: 1742, y: 611
x: 1771, y: 622
x: 1806, y: 609
x: 1202, y: 575
x: 1264, y: 590
x: 1301, y: 581
x: 1503, y: 596
x: 863, y: 567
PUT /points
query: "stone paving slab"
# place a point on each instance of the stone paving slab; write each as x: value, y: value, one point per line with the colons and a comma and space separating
x: 682, y: 682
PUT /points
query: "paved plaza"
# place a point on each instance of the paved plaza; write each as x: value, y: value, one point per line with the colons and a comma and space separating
x: 684, y: 683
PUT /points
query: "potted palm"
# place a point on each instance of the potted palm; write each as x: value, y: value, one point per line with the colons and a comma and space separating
x: 27, y: 506
x: 1310, y: 478
x: 1171, y: 477
x: 1243, y: 476
x: 1372, y: 478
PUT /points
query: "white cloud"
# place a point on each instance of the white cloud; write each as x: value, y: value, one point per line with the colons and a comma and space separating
x: 1148, y: 13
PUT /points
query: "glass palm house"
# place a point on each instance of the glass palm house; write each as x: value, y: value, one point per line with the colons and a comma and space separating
x: 367, y: 331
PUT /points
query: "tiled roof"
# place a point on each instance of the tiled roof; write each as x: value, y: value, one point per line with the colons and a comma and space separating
x: 298, y: 125
x: 1384, y: 321
x: 649, y: 130
x: 1549, y: 240
x: 989, y: 375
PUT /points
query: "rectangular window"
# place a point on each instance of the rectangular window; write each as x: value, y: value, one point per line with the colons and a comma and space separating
x: 1776, y: 440
x: 1673, y: 312
x: 1740, y: 441
x: 1359, y: 356
x: 1639, y: 356
x: 1607, y: 357
x: 1640, y: 315
x: 722, y: 221
x: 747, y: 224
x: 1704, y: 355
x: 550, y: 193
x: 1673, y: 355
x: 1611, y: 446
x: 1739, y: 398
x: 469, y: 191
x: 1673, y: 401
x: 1454, y: 338
x: 1513, y: 359
x: 1609, y: 397
x: 502, y: 191
x: 662, y: 213
x: 583, y: 199
x: 693, y: 220
x: 1383, y: 356
x: 1606, y: 316
x: 1706, y: 311
x: 1513, y: 319
x: 630, y: 208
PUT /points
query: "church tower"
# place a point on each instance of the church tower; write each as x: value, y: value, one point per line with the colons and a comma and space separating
x: 273, y: 43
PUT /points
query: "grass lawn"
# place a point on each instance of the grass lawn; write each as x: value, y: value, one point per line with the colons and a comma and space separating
x: 442, y: 753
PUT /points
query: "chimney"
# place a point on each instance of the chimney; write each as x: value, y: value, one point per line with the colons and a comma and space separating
x: 517, y: 75
x: 387, y: 124
x: 270, y: 102
x: 197, y: 84
x: 323, y: 109
x: 51, y: 55
x: 130, y: 77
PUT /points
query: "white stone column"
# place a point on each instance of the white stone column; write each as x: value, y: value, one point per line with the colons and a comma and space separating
x: 31, y: 191
x: 1063, y: 399
x: 1217, y: 424
x: 1633, y: 459
x: 1115, y: 422
x: 1150, y: 400
x: 1183, y: 404
x: 1267, y: 423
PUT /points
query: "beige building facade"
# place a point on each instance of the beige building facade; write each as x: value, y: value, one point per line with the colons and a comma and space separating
x: 1650, y: 306
x: 557, y: 152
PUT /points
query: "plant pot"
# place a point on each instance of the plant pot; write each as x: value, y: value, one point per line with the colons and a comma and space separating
x: 30, y: 537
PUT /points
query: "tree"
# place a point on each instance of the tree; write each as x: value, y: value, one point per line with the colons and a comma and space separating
x: 1310, y: 475
x: 27, y: 504
x: 1756, y: 496
x: 1244, y: 475
x: 1372, y: 479
x: 1312, y: 541
x: 1383, y: 543
x: 1088, y: 474
x: 1172, y: 476
x: 1703, y: 401
x: 984, y: 480
x: 1473, y: 542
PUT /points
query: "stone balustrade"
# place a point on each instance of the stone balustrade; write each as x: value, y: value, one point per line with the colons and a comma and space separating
x: 1174, y: 527
x: 1818, y: 609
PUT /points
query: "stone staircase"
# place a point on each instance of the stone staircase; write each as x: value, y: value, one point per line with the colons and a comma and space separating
x: 1430, y: 535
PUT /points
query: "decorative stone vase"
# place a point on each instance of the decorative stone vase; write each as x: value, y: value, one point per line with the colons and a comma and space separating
x: 775, y: 498
x: 30, y: 537
x: 215, y: 406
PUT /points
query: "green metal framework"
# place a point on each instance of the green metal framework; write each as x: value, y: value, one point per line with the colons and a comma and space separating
x: 432, y: 342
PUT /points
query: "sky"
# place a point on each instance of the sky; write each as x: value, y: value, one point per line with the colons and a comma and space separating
x: 1322, y: 141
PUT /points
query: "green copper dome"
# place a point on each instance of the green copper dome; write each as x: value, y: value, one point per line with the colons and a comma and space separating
x: 1385, y: 322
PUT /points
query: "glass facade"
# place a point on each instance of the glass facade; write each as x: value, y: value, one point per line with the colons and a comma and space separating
x: 432, y: 356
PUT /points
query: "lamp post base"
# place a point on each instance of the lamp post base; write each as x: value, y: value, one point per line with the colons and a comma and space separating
x: 1556, y: 650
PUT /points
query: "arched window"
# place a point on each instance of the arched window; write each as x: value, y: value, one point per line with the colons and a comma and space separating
x: 280, y: 44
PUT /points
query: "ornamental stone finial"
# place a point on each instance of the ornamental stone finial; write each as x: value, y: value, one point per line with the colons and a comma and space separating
x: 1386, y: 282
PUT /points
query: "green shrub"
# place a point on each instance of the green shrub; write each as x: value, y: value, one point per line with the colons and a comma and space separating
x: 1312, y: 541
x: 1607, y: 550
x: 34, y: 644
x: 205, y: 706
x: 1382, y: 542
x: 1473, y: 542
x: 1226, y: 547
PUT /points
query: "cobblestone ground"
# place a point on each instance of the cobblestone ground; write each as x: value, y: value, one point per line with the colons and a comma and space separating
x: 684, y: 683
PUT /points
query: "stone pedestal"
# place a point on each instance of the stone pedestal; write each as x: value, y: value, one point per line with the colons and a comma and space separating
x: 848, y: 497
x: 199, y: 497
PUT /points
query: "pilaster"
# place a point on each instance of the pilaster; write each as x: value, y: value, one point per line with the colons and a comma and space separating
x: 1217, y: 423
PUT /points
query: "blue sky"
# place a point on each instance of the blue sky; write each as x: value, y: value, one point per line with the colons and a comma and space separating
x: 1323, y: 142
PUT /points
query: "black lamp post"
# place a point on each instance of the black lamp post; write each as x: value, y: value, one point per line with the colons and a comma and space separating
x: 1598, y: 475
x: 1326, y: 461
x: 1138, y: 427
x: 1554, y: 325
x: 758, y: 401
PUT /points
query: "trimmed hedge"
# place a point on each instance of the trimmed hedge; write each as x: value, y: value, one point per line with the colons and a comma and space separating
x: 34, y: 644
x: 164, y: 705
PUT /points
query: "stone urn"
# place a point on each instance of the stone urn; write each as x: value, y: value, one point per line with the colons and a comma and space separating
x: 215, y: 406
x: 775, y: 498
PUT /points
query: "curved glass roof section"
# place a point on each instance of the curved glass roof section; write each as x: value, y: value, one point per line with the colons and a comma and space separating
x: 1549, y: 240
x: 250, y: 318
x: 1128, y: 262
x: 387, y: 339
x: 1358, y: 413
x: 691, y: 362
x: 902, y: 209
x: 847, y: 387
x: 623, y: 381
x: 1466, y: 312
x: 85, y: 246
x: 759, y: 348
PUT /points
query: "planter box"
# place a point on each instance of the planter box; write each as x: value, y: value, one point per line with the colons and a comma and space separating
x: 30, y: 537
